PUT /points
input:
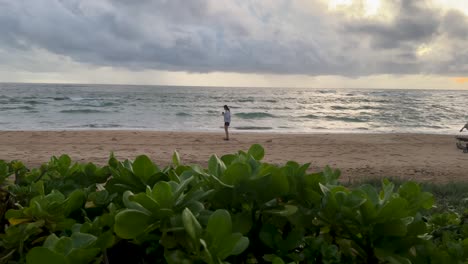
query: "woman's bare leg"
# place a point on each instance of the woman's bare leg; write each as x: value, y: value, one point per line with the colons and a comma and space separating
x: 227, y: 132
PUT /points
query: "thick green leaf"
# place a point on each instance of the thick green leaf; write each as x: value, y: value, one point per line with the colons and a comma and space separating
x: 64, y: 161
x: 228, y: 159
x: 216, y: 166
x: 241, y: 245
x: 257, y: 151
x: 177, y: 257
x: 79, y: 256
x: 389, y: 257
x: 242, y: 222
x: 130, y: 204
x: 387, y: 191
x: 176, y: 158
x: 395, y: 208
x: 277, y: 260
x: 105, y: 240
x: 146, y: 201
x: 82, y: 240
x: 293, y: 240
x: 391, y: 228
x: 219, y: 225
x: 130, y: 223
x: 13, y: 213
x: 191, y: 225
x: 50, y: 241
x: 162, y: 193
x: 236, y: 173
x: 287, y: 210
x: 280, y: 183
x: 144, y: 168
x: 63, y: 246
x: 426, y: 200
x: 233, y: 244
x: 267, y: 234
x: 75, y: 201
x: 195, y: 207
x: 355, y: 199
x: 180, y: 188
x: 40, y: 255
x: 416, y: 199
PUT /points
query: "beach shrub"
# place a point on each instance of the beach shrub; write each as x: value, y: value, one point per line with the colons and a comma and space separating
x: 237, y: 210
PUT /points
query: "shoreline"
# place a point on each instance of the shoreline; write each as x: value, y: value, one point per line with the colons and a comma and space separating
x: 240, y: 131
x: 412, y: 156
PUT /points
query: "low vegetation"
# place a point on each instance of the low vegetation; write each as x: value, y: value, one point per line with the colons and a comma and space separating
x: 238, y: 210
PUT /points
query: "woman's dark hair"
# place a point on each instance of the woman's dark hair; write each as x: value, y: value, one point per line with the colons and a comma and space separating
x: 226, y: 107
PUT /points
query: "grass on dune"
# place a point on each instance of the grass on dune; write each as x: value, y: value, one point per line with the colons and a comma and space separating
x: 452, y: 196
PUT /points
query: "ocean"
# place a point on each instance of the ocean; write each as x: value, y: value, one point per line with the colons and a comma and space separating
x: 277, y: 110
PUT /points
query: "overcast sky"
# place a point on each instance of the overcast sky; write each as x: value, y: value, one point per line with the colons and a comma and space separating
x: 292, y: 43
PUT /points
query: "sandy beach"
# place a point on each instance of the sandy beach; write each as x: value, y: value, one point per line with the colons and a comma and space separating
x: 420, y: 157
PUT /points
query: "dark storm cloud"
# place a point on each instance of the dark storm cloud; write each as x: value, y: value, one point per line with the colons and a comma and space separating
x: 413, y: 24
x: 455, y: 24
x: 231, y: 36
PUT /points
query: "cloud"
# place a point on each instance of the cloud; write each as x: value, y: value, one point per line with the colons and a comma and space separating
x: 248, y: 36
x: 412, y: 24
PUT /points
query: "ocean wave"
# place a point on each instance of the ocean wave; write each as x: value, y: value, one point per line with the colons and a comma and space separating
x: 13, y: 100
x: 271, y: 108
x: 435, y: 126
x: 326, y: 91
x: 346, y: 119
x: 244, y: 100
x: 310, y: 116
x: 339, y: 107
x: 103, y: 125
x: 82, y: 111
x: 177, y: 105
x: 253, y: 128
x: 96, y: 126
x: 25, y: 107
x: 106, y: 104
x: 84, y: 103
x: 33, y: 102
x: 369, y: 107
x: 254, y: 115
x: 183, y: 114
x: 59, y: 98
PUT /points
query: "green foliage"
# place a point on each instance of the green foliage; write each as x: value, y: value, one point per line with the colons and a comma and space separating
x: 237, y: 210
x: 78, y: 248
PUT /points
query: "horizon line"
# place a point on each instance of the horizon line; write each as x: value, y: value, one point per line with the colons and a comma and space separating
x: 236, y: 87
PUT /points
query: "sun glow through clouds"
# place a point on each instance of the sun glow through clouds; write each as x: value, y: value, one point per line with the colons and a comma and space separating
x: 366, y: 8
x: 461, y: 80
x: 423, y: 50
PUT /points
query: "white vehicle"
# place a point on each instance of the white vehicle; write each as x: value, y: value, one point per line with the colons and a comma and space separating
x: 462, y: 141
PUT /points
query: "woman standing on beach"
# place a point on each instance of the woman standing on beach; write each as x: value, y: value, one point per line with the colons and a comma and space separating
x: 227, y: 120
